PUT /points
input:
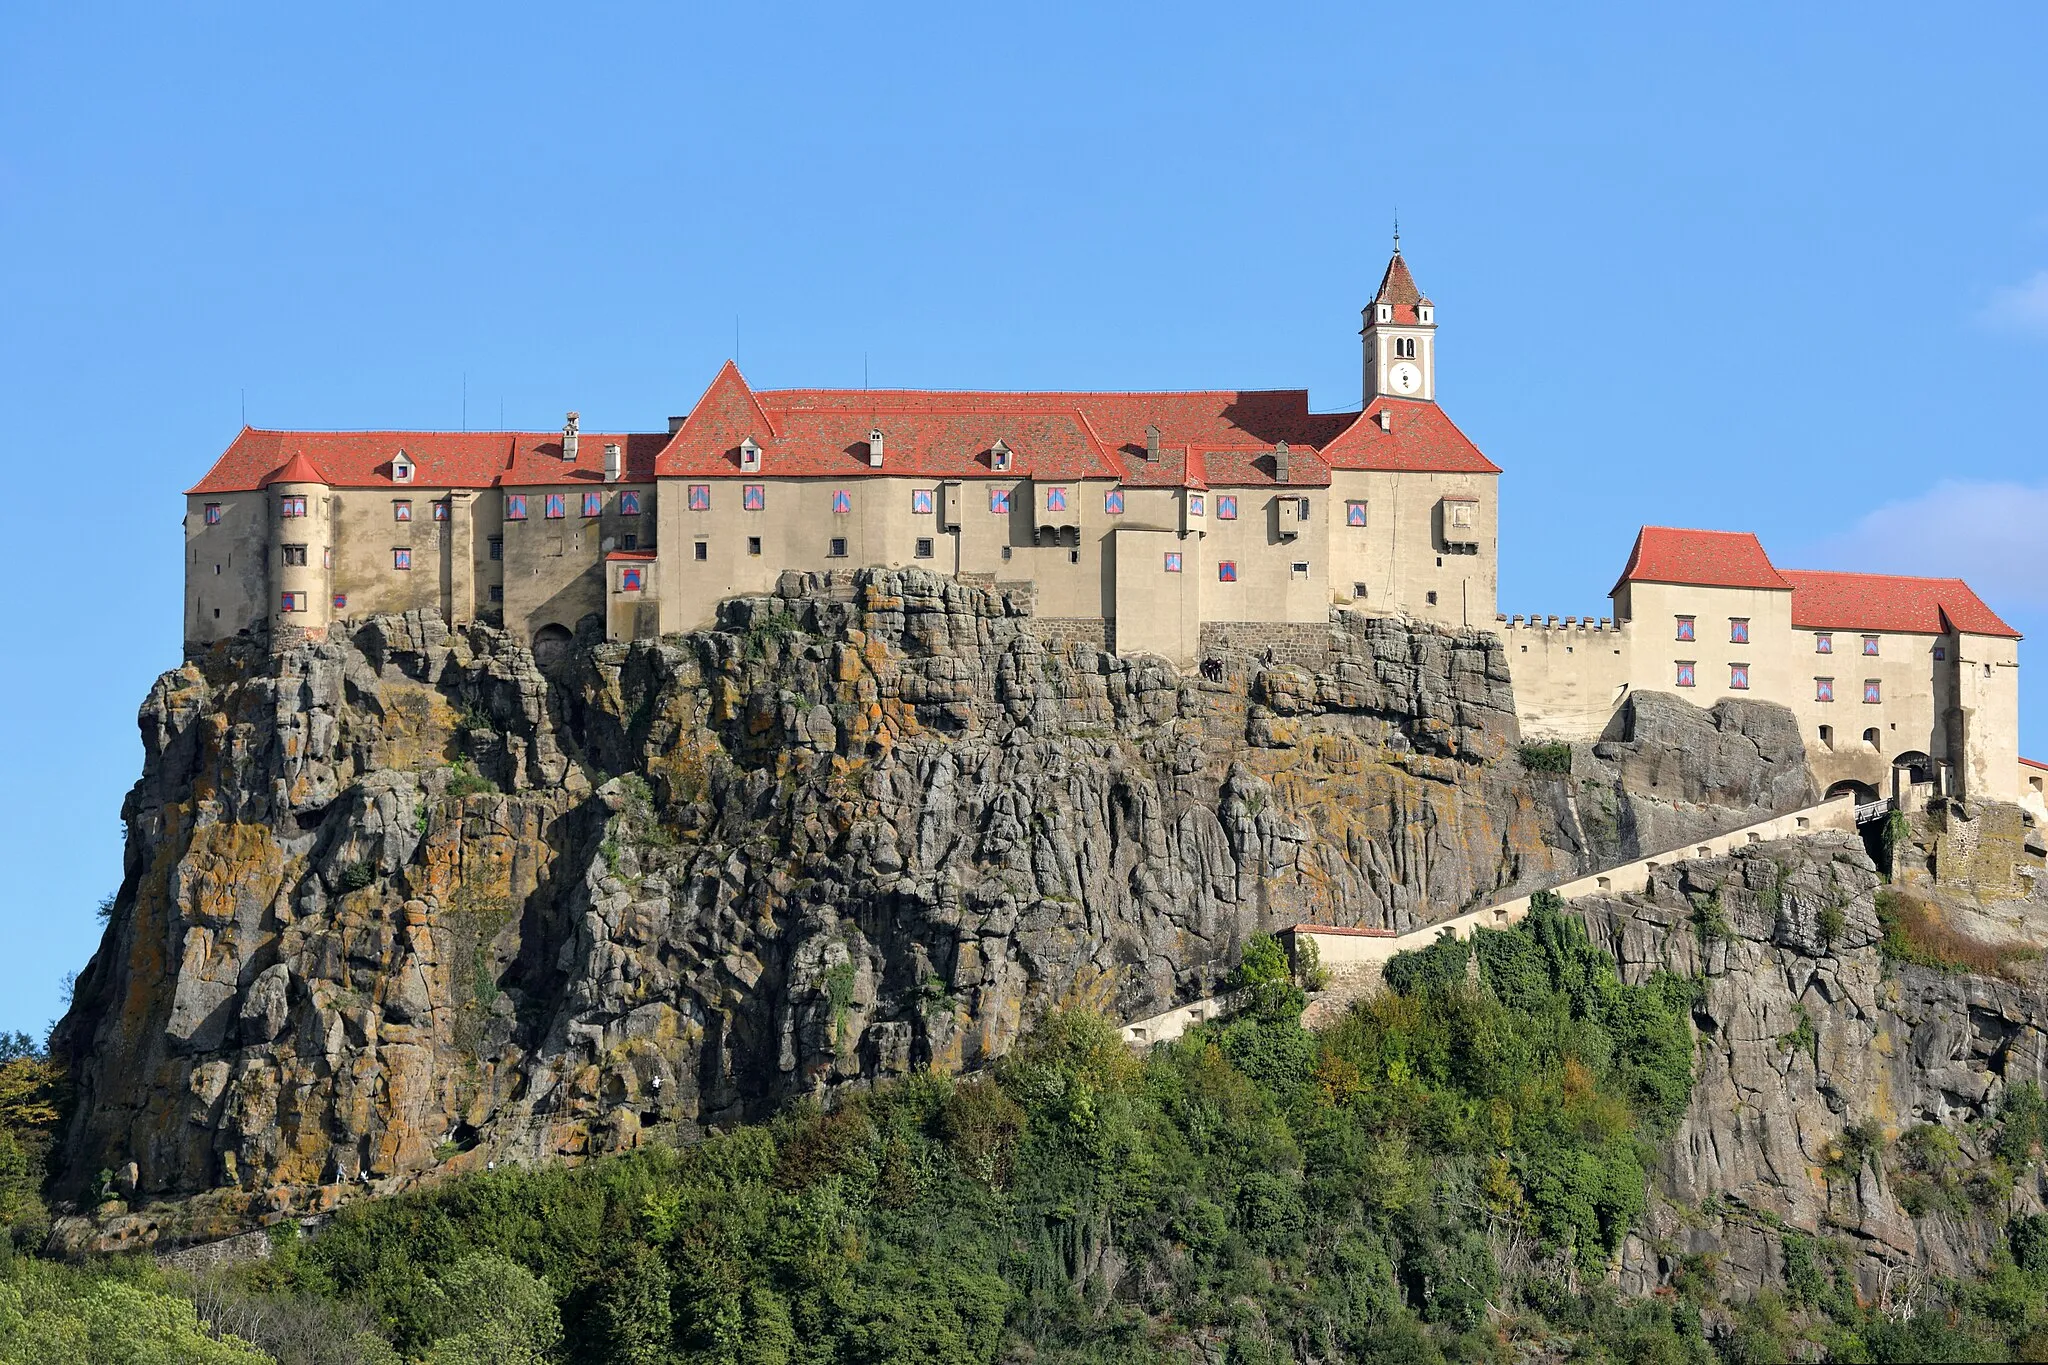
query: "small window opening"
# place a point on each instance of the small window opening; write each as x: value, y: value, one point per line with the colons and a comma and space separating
x: 1827, y: 737
x: 754, y: 546
x: 1358, y: 591
x: 1432, y: 596
x: 923, y: 549
x: 497, y: 547
x: 837, y: 550
x: 703, y: 550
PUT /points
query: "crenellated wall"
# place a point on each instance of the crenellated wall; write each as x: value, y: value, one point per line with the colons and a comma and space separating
x: 1569, y: 673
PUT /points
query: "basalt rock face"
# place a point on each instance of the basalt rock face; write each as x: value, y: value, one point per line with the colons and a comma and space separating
x: 401, y: 903
x: 1669, y: 773
x: 1807, y: 1032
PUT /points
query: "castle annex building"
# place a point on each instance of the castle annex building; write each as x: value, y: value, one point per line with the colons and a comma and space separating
x: 1178, y: 524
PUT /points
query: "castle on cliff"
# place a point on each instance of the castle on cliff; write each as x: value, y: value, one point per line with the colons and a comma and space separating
x: 1182, y: 524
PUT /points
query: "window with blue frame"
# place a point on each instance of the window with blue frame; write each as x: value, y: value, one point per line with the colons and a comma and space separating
x: 1173, y: 561
x: 700, y: 497
x: 998, y: 499
x: 1738, y: 630
x: 1685, y: 628
x: 1870, y: 644
x: 629, y: 504
x: 1055, y: 499
x: 842, y: 501
x: 629, y: 580
x: 920, y: 502
x: 1685, y: 675
x: 515, y: 507
x: 440, y: 506
x: 1226, y: 507
x: 1873, y: 692
x: 1354, y: 514
x: 1226, y: 571
x: 1823, y: 689
x: 593, y: 504
x: 401, y: 510
x: 1823, y: 642
x: 1113, y: 502
x: 555, y: 506
x: 213, y: 514
x: 1197, y: 504
x: 1738, y: 677
x: 401, y: 559
x: 753, y: 497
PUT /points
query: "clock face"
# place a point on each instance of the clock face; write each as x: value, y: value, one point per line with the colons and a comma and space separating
x: 1404, y: 378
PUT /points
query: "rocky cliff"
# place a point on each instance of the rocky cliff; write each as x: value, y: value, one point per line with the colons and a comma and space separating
x: 402, y: 903
x: 1818, y: 1059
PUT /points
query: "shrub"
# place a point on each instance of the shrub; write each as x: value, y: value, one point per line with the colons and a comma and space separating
x: 1547, y: 758
x: 355, y: 876
x: 464, y: 780
x: 1439, y: 965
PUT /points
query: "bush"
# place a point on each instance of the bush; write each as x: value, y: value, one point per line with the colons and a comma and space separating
x: 1547, y: 758
x: 464, y: 780
x: 1440, y: 965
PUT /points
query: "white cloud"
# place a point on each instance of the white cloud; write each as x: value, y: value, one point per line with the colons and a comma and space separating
x: 2019, y: 307
x: 1993, y: 534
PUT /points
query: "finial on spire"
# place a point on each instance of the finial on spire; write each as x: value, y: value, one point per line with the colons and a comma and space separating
x: 1397, y: 232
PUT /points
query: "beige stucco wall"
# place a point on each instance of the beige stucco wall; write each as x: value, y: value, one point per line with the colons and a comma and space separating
x: 1400, y: 556
x: 1070, y: 557
x: 227, y: 577
x: 1159, y: 612
x: 1568, y: 678
x: 554, y: 568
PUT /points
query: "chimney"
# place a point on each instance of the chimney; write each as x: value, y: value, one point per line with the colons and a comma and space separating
x: 1280, y: 462
x: 875, y: 447
x: 675, y: 424
x: 569, y: 438
x: 612, y: 462
x: 1151, y: 442
x: 1386, y: 419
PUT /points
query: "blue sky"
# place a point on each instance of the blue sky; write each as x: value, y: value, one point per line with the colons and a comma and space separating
x: 1737, y: 266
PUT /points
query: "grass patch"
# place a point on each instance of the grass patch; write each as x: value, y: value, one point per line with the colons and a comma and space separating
x: 1917, y: 932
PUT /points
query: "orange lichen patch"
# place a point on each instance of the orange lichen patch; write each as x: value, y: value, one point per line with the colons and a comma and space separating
x: 229, y: 871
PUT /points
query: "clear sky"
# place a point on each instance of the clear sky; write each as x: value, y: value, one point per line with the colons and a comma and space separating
x: 1748, y: 266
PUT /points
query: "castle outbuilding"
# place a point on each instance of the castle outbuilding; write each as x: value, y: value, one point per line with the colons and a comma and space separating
x: 1897, y: 682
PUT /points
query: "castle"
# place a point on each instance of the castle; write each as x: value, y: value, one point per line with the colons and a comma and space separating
x: 1179, y: 524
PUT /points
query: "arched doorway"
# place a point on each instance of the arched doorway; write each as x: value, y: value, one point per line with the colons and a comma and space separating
x: 1916, y: 766
x: 1864, y: 793
x: 550, y: 643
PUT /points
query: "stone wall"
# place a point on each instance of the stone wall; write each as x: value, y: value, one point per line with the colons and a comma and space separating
x: 1305, y: 644
x: 1061, y: 633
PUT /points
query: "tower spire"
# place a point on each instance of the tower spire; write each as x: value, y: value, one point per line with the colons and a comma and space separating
x: 1397, y: 232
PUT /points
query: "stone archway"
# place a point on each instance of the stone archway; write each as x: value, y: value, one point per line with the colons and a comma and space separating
x: 550, y: 643
x: 1864, y: 793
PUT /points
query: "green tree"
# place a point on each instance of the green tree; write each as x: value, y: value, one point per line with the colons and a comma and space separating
x: 494, y: 1311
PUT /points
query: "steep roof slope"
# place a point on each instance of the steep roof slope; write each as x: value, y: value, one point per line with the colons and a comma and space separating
x: 1823, y: 600
x: 1715, y: 559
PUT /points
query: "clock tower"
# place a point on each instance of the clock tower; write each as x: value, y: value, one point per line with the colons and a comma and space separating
x: 1400, y: 336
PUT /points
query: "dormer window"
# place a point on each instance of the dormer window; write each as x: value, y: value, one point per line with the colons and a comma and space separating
x: 401, y: 468
x: 999, y: 457
x: 875, y: 447
x: 1424, y: 313
x: 750, y: 456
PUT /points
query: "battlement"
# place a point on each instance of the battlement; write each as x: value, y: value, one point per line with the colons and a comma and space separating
x: 1580, y: 625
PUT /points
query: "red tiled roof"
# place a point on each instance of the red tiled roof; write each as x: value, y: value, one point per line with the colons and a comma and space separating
x: 630, y: 554
x: 2034, y: 763
x: 298, y: 469
x: 1357, y: 931
x: 1890, y: 602
x: 1423, y: 439
x: 1052, y: 435
x: 1399, y: 291
x: 441, y: 459
x: 1714, y: 559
